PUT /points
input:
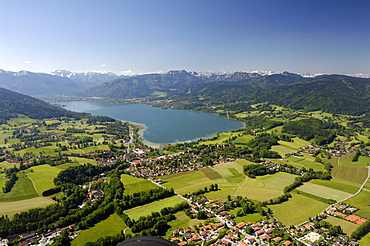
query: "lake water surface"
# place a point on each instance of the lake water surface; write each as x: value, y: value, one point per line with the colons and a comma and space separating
x: 163, y: 125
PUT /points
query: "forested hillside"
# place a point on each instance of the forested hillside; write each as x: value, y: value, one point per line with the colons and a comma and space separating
x: 12, y: 103
x: 330, y: 93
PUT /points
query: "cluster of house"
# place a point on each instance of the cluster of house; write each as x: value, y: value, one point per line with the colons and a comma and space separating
x: 277, y: 166
x: 262, y: 232
x: 341, y: 149
x: 345, y: 211
x: 31, y: 238
x: 179, y: 162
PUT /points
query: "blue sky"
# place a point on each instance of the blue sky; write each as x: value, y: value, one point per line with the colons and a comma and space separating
x: 314, y: 36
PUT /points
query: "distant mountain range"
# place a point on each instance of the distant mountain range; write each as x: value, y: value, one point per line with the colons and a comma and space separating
x: 87, y: 79
x: 57, y: 83
x: 159, y: 84
x: 331, y: 93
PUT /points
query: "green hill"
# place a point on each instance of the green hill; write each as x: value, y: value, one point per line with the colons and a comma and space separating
x: 330, y: 93
x: 13, y: 103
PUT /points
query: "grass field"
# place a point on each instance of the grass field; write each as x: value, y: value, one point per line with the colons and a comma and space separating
x: 43, y: 175
x: 109, y: 227
x: 301, y: 162
x: 298, y: 209
x: 247, y: 218
x: 222, y: 137
x: 22, y: 190
x: 147, y: 209
x: 211, y: 173
x: 338, y: 184
x: 365, y: 241
x: 133, y: 185
x: 254, y: 189
x: 348, y: 227
x: 182, y: 221
x: 346, y: 160
x: 232, y: 182
x: 282, y: 150
x: 11, y: 208
x: 4, y: 165
x: 243, y: 139
x: 322, y: 191
x: 187, y: 181
x: 47, y: 150
x: 278, y: 180
x: 81, y: 160
x: 350, y: 173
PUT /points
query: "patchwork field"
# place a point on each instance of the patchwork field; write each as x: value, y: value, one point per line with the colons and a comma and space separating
x: 348, y: 227
x: 133, y: 185
x: 109, y: 227
x: 11, y: 208
x: 298, y: 209
x: 231, y: 181
x: 43, y: 175
x: 147, y: 209
x: 322, y: 191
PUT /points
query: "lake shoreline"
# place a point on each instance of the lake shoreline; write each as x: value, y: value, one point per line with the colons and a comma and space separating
x: 159, y: 127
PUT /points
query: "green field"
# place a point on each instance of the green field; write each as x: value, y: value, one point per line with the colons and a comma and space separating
x: 347, y: 226
x: 325, y: 192
x: 232, y: 182
x: 350, y: 173
x: 346, y: 160
x: 365, y: 241
x: 278, y: 180
x: 338, y: 184
x: 133, y: 185
x: 43, y: 175
x: 82, y: 161
x: 147, y: 209
x: 247, y: 218
x: 181, y: 221
x: 211, y: 173
x: 222, y: 137
x: 282, y: 150
x: 254, y: 189
x: 300, y: 162
x: 11, y: 208
x: 47, y: 150
x: 109, y: 227
x: 22, y: 190
x: 243, y: 139
x: 187, y: 181
x: 298, y: 209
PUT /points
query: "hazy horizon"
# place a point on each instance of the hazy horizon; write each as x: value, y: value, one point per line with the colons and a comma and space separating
x: 136, y: 37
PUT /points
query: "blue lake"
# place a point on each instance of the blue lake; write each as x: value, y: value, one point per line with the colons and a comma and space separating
x: 163, y: 125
